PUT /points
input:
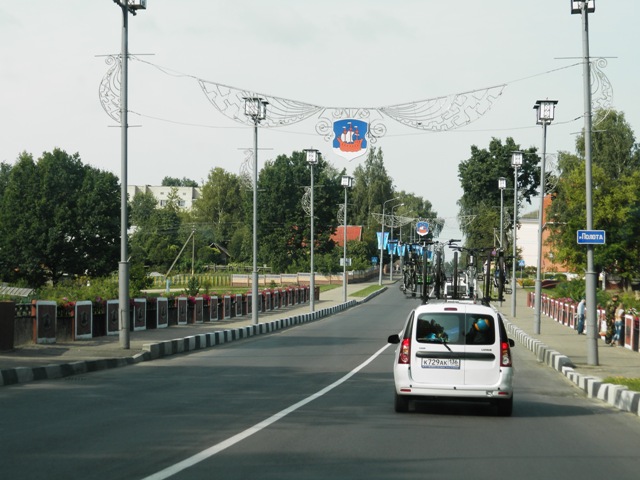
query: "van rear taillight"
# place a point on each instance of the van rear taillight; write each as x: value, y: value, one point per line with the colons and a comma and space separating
x: 405, y: 351
x: 505, y: 355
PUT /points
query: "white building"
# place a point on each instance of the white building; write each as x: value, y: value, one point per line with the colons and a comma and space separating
x: 186, y: 195
x: 527, y: 241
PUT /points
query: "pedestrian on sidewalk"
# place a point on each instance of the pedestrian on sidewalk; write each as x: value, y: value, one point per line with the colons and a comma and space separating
x: 582, y: 306
x: 618, y: 325
x: 610, y: 314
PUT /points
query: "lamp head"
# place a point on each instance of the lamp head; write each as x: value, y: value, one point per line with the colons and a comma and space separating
x: 312, y: 156
x: 545, y: 110
x: 576, y: 6
x: 516, y: 158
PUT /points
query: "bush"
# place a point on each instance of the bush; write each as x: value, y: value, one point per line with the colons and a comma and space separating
x: 193, y: 287
x: 527, y: 282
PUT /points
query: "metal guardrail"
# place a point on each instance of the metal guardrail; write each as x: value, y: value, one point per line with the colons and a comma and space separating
x: 15, y: 291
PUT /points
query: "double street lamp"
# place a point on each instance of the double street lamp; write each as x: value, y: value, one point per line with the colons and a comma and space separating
x: 256, y: 109
x: 544, y: 116
x: 384, y: 205
x: 516, y: 161
x: 312, y: 159
x: 347, y: 183
x: 393, y: 222
x: 502, y: 184
x: 127, y: 6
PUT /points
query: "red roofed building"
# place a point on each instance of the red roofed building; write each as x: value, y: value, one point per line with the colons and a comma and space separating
x: 354, y: 232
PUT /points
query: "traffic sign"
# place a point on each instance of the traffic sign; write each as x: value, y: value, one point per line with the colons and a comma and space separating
x: 591, y: 237
x: 521, y: 263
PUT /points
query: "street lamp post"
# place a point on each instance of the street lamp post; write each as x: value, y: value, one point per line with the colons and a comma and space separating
x: 127, y: 6
x: 584, y: 8
x: 312, y: 159
x: 502, y: 184
x: 347, y: 183
x: 384, y: 204
x: 256, y: 109
x: 516, y: 161
x: 391, y: 239
x: 544, y: 116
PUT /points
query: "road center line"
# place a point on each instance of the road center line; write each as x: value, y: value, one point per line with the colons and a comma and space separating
x: 219, y: 447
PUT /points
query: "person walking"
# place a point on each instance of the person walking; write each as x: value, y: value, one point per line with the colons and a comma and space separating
x: 582, y: 307
x: 618, y: 325
x: 610, y: 314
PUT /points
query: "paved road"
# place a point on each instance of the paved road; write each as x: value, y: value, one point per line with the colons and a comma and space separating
x: 558, y: 346
x: 310, y: 402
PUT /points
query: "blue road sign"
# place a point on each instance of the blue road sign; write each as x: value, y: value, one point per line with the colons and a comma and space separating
x: 521, y: 263
x: 591, y: 237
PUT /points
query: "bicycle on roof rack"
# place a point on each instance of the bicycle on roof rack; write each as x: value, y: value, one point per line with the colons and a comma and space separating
x: 411, y: 273
x: 423, y: 270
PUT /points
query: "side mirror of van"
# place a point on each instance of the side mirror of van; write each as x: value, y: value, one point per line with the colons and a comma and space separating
x: 394, y: 339
x: 512, y: 342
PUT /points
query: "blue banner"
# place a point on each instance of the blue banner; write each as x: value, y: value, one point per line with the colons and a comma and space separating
x: 386, y: 239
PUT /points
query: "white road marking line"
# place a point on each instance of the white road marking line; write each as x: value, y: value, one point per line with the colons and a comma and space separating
x: 215, y: 449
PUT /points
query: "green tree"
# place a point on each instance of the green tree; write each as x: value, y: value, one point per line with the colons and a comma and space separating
x: 616, y: 200
x: 99, y: 228
x: 58, y: 217
x: 142, y: 207
x: 177, y: 182
x: 372, y: 187
x: 220, y: 207
x: 283, y: 226
x: 481, y: 196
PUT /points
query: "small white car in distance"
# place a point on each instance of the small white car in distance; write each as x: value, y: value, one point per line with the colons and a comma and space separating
x: 453, y: 350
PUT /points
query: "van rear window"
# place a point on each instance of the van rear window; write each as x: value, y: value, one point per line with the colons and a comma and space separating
x: 455, y: 328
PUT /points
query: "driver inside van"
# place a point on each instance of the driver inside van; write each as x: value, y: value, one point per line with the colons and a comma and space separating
x: 431, y: 330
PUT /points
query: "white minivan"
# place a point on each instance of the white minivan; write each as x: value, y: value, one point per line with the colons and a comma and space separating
x: 453, y: 350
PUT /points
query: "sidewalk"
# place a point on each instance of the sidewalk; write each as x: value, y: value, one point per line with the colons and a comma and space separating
x: 37, y: 362
x: 560, y: 347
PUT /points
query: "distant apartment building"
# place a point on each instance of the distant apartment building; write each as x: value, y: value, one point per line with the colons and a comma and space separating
x: 186, y: 195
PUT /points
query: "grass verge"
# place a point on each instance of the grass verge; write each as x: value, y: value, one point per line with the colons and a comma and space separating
x: 630, y: 383
x: 367, y: 291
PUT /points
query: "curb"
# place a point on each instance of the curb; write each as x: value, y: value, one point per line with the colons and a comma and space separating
x: 617, y: 396
x: 152, y: 351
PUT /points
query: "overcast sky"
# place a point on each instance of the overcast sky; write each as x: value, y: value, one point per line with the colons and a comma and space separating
x: 358, y: 53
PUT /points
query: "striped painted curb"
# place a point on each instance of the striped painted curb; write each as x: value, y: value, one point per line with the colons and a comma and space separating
x: 617, y: 396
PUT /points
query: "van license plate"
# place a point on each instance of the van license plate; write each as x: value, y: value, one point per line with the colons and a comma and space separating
x: 452, y: 363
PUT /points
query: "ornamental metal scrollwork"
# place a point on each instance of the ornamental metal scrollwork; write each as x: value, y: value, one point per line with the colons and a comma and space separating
x: 447, y: 112
x: 246, y: 171
x: 436, y: 114
x: 340, y: 215
x: 281, y: 111
x: 306, y: 200
x: 601, y: 89
x: 109, y: 90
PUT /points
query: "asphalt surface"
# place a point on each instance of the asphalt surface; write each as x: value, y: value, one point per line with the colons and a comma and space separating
x: 557, y: 345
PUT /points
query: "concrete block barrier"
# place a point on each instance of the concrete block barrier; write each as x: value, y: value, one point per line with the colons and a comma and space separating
x: 617, y: 396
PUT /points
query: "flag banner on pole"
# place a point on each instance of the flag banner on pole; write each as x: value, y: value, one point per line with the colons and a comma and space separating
x: 380, y: 243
